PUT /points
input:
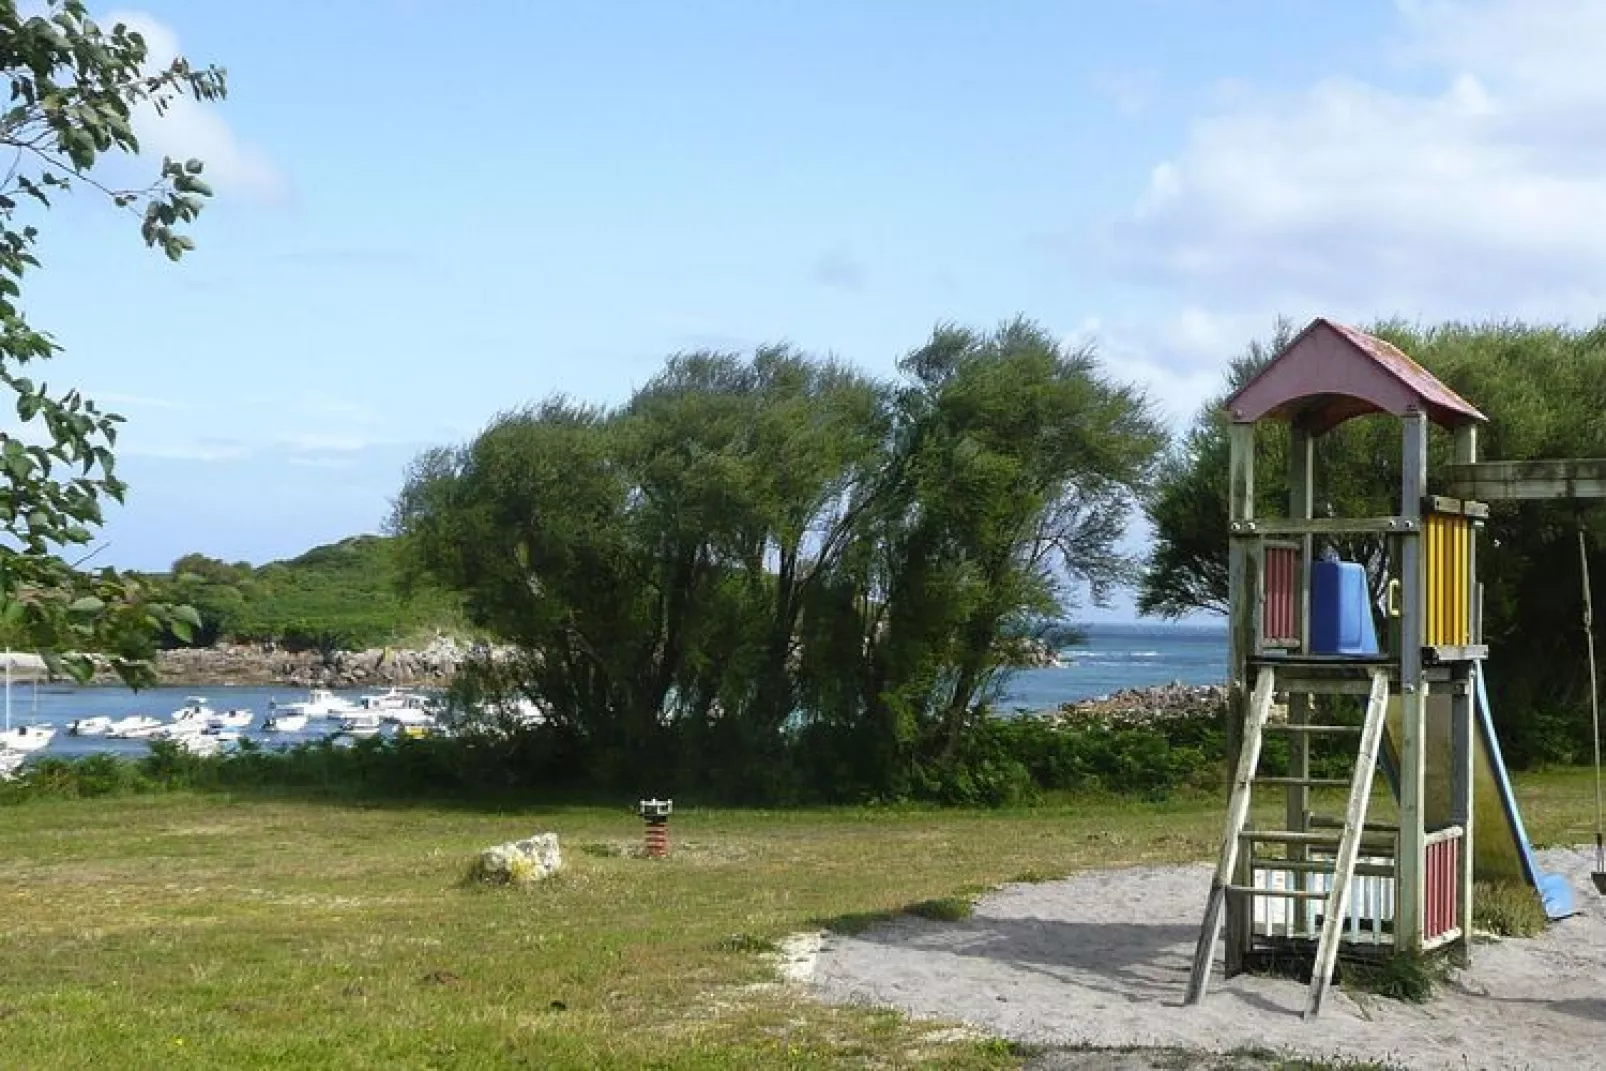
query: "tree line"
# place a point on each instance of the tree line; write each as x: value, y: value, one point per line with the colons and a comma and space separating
x: 775, y: 573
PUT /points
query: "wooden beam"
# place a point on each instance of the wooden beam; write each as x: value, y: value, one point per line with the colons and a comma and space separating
x: 1410, y: 902
x: 1302, y: 526
x: 1301, y: 507
x: 1494, y: 481
x: 1456, y: 506
x: 1243, y: 601
x: 1462, y: 784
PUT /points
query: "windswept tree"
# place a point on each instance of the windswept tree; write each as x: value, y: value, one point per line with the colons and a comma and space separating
x: 74, y: 90
x: 757, y: 556
x: 1011, y: 471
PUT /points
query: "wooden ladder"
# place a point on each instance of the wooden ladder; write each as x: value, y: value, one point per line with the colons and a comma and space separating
x: 1348, y: 842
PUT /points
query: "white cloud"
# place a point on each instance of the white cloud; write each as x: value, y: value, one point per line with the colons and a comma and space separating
x: 315, y: 442
x: 1145, y: 359
x: 200, y: 449
x: 192, y: 128
x: 118, y: 399
x: 1482, y: 195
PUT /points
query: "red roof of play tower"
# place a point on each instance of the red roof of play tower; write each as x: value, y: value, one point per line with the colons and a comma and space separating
x: 1330, y: 373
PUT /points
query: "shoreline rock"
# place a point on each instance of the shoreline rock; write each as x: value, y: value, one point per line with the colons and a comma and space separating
x: 1143, y: 706
x: 264, y: 664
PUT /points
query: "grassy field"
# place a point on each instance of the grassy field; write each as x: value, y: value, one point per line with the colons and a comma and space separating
x: 197, y: 931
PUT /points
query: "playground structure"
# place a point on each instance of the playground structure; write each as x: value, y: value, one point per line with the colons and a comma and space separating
x: 1303, y: 627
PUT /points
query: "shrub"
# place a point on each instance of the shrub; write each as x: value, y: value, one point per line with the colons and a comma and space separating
x: 1506, y: 909
x: 942, y: 909
x: 1407, y: 976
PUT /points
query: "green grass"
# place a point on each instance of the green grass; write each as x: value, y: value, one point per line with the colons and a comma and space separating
x: 180, y: 931
x: 198, y: 931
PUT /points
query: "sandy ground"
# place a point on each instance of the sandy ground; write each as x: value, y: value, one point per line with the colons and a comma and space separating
x: 1101, y: 959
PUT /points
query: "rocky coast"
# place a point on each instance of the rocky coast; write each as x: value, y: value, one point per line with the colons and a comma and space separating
x: 261, y: 664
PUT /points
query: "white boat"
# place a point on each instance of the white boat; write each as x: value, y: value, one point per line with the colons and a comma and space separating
x: 178, y: 730
x: 194, y: 710
x: 96, y: 726
x: 285, y: 723
x: 393, y: 699
x: 410, y: 717
x: 232, y: 719
x: 363, y: 724
x: 320, y: 703
x: 26, y: 738
x: 133, y: 727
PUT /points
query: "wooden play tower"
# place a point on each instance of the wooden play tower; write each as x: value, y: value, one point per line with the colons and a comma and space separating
x: 1302, y: 631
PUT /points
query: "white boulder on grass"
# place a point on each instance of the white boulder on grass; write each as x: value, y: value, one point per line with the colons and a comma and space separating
x: 520, y: 862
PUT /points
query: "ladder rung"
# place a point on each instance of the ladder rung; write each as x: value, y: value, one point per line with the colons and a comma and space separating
x: 1283, y: 836
x: 1280, y: 894
x: 1308, y: 782
x: 1327, y: 821
x: 1303, y: 727
x: 1319, y: 866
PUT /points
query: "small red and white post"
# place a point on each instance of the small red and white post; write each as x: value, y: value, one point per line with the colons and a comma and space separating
x: 656, y: 814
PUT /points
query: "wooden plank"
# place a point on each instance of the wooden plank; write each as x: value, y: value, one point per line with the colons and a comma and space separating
x: 1319, y: 866
x: 1462, y: 782
x: 1413, y: 689
x: 1349, y: 846
x: 1242, y: 625
x: 1301, y: 507
x: 1300, y: 526
x: 1237, y: 814
x: 1497, y: 481
x: 1275, y: 894
x: 1304, y: 782
x: 1329, y: 821
x: 1444, y: 654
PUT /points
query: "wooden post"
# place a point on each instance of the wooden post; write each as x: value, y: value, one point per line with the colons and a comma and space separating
x: 1243, y: 594
x: 1301, y: 506
x: 1413, y: 689
x: 1463, y: 709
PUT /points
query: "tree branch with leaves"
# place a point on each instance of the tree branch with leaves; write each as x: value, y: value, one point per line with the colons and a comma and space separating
x: 74, y: 91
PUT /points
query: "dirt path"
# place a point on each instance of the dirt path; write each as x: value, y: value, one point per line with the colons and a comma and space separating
x: 1101, y: 959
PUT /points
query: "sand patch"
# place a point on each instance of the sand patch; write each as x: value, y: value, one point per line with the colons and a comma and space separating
x: 1101, y: 959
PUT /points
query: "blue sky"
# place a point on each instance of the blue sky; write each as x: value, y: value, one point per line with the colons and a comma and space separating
x: 431, y: 212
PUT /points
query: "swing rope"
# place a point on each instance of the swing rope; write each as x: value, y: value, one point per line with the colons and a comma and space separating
x: 1594, y: 701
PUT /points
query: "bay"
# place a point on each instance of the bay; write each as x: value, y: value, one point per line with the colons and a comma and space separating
x: 1114, y: 657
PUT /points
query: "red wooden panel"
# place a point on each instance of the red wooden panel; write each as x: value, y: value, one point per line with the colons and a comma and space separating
x: 1278, y: 619
x: 1443, y: 885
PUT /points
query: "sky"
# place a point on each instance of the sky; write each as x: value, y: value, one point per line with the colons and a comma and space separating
x: 428, y: 212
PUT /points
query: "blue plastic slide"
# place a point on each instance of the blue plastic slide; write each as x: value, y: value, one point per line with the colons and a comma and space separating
x: 1503, y: 849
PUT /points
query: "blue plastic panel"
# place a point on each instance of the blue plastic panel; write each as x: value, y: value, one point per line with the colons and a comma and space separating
x: 1340, y: 610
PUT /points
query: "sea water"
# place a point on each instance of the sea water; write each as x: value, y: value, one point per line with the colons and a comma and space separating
x: 1118, y: 656
x: 62, y: 704
x: 1113, y: 657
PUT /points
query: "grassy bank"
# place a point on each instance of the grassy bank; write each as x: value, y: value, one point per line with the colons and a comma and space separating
x: 190, y: 930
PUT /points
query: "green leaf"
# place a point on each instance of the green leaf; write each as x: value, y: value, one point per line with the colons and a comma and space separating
x: 88, y: 604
